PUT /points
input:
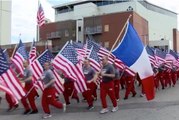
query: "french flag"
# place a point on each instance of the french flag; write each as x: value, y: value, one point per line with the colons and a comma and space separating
x: 133, y: 53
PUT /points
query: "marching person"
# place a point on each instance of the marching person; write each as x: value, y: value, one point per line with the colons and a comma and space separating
x: 49, y: 92
x: 129, y: 85
x: 69, y: 90
x: 89, y: 73
x: 161, y: 75
x: 13, y: 102
x: 118, y: 76
x: 174, y: 75
x: 31, y: 92
x: 107, y: 85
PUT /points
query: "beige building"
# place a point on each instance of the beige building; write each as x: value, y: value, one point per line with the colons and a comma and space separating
x: 5, y: 22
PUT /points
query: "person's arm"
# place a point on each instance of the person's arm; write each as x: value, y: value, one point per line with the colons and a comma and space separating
x: 111, y: 74
x: 108, y: 75
x: 93, y: 72
x: 49, y: 83
x: 28, y: 79
x: 29, y: 73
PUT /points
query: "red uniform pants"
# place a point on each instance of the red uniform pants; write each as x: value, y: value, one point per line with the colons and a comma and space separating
x: 117, y: 88
x: 161, y: 78
x: 129, y: 86
x: 107, y: 89
x: 156, y: 81
x: 70, y: 91
x: 88, y: 95
x: 49, y: 98
x: 32, y: 93
x: 174, y: 78
x: 10, y: 100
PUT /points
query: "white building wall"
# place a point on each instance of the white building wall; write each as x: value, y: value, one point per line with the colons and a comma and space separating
x: 114, y: 8
x: 5, y: 22
x: 160, y: 25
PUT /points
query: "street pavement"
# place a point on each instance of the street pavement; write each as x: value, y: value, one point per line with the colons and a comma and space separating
x: 165, y: 106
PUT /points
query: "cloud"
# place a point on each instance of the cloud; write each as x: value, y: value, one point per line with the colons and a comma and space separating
x: 24, y: 18
x: 168, y: 4
x: 24, y: 15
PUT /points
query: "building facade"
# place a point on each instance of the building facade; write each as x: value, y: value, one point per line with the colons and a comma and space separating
x: 5, y: 22
x: 104, y: 20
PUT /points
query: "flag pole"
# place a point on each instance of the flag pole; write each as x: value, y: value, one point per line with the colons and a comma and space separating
x: 15, y: 46
x: 37, y: 23
x: 120, y: 34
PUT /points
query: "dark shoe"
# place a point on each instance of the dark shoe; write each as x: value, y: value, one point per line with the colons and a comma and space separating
x: 26, y: 112
x: 34, y: 112
x: 78, y: 100
x: 125, y: 98
x: 68, y: 103
x: 84, y: 100
x: 15, y: 106
x: 134, y: 95
x: 90, y: 107
x: 9, y: 109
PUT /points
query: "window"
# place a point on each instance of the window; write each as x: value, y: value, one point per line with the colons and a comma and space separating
x: 106, y: 44
x: 66, y: 33
x: 106, y: 28
x: 79, y: 29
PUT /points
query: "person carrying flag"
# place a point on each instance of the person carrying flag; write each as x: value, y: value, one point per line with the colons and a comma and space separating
x: 89, y: 73
x: 107, y: 85
x: 31, y: 92
x: 69, y: 90
x: 49, y: 92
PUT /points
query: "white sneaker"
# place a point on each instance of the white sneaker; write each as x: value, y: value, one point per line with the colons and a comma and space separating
x: 104, y: 110
x: 64, y: 107
x: 142, y: 95
x: 114, y: 109
x: 45, y: 116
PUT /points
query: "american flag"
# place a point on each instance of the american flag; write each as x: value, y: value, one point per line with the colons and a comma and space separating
x: 33, y: 52
x: 100, y: 50
x: 6, y: 54
x: 81, y: 49
x: 12, y: 84
x: 160, y: 58
x: 37, y: 69
x: 67, y: 62
x: 40, y: 16
x: 4, y: 88
x: 151, y: 55
x: 94, y: 60
x: 174, y: 54
x: 19, y: 56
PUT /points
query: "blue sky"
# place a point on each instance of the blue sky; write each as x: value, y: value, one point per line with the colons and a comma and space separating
x: 24, y: 14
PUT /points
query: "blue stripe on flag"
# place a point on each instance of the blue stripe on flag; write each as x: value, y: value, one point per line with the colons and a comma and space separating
x: 131, y: 47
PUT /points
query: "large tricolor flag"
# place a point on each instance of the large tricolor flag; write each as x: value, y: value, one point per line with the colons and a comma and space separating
x: 40, y: 16
x: 101, y: 51
x: 8, y: 80
x: 132, y: 52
